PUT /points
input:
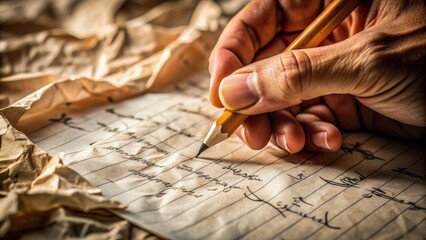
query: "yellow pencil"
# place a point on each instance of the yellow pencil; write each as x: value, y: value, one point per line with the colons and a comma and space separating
x: 312, y: 36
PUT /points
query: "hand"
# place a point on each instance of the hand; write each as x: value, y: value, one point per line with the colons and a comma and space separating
x: 368, y: 74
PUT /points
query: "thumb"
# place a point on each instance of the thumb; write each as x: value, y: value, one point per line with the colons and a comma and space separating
x: 289, y: 78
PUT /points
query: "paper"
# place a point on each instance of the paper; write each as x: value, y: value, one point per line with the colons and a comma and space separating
x: 33, y: 182
x: 118, y: 61
x: 140, y: 152
x: 76, y: 54
x: 64, y: 68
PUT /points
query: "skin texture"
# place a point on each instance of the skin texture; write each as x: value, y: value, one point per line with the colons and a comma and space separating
x: 368, y: 74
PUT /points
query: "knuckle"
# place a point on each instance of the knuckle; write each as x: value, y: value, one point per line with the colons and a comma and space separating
x: 293, y: 73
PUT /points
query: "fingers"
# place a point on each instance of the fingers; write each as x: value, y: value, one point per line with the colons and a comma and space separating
x: 255, y: 131
x: 287, y: 79
x: 320, y: 135
x: 321, y: 112
x: 251, y: 29
x: 287, y: 132
x: 308, y: 130
x: 218, y: 69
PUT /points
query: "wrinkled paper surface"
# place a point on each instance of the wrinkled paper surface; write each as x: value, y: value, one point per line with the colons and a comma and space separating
x: 67, y: 68
x: 141, y: 151
x: 84, y: 53
x: 38, y: 190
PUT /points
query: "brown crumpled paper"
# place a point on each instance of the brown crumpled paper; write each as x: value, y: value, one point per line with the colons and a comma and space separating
x: 47, y: 68
x: 37, y: 188
x: 61, y: 52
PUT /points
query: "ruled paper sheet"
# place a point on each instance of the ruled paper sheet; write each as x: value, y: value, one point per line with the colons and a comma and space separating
x: 140, y: 152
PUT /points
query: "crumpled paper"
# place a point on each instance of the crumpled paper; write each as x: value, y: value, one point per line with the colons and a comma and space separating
x: 60, y: 52
x: 37, y: 188
x: 51, y: 67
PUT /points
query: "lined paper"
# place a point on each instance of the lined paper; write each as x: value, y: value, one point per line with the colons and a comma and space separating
x: 141, y: 153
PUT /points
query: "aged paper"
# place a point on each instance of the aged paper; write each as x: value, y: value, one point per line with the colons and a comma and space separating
x: 42, y: 70
x: 77, y: 54
x: 37, y: 190
x: 65, y: 65
x: 141, y: 152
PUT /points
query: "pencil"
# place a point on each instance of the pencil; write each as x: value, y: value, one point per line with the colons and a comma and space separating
x: 312, y: 36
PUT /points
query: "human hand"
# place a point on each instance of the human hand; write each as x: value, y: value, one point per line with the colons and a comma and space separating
x: 368, y: 74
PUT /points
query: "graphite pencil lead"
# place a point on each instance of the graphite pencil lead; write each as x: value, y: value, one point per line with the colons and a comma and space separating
x: 202, y: 149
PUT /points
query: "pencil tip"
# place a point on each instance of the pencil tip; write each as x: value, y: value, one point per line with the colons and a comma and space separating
x: 202, y: 149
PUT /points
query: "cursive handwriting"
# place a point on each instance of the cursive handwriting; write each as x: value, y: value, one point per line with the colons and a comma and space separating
x: 297, y: 200
x: 145, y: 118
x: 350, y: 148
x: 282, y: 208
x: 167, y: 185
x: 149, y: 145
x: 180, y: 132
x: 406, y: 172
x: 299, y: 176
x: 240, y: 173
x: 209, y: 178
x: 133, y: 157
x: 346, y: 182
x: 105, y: 127
x: 386, y: 194
x: 67, y: 121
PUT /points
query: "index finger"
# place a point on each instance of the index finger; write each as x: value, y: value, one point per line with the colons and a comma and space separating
x: 252, y: 28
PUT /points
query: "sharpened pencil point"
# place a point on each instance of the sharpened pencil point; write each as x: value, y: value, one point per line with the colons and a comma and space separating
x: 202, y: 149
